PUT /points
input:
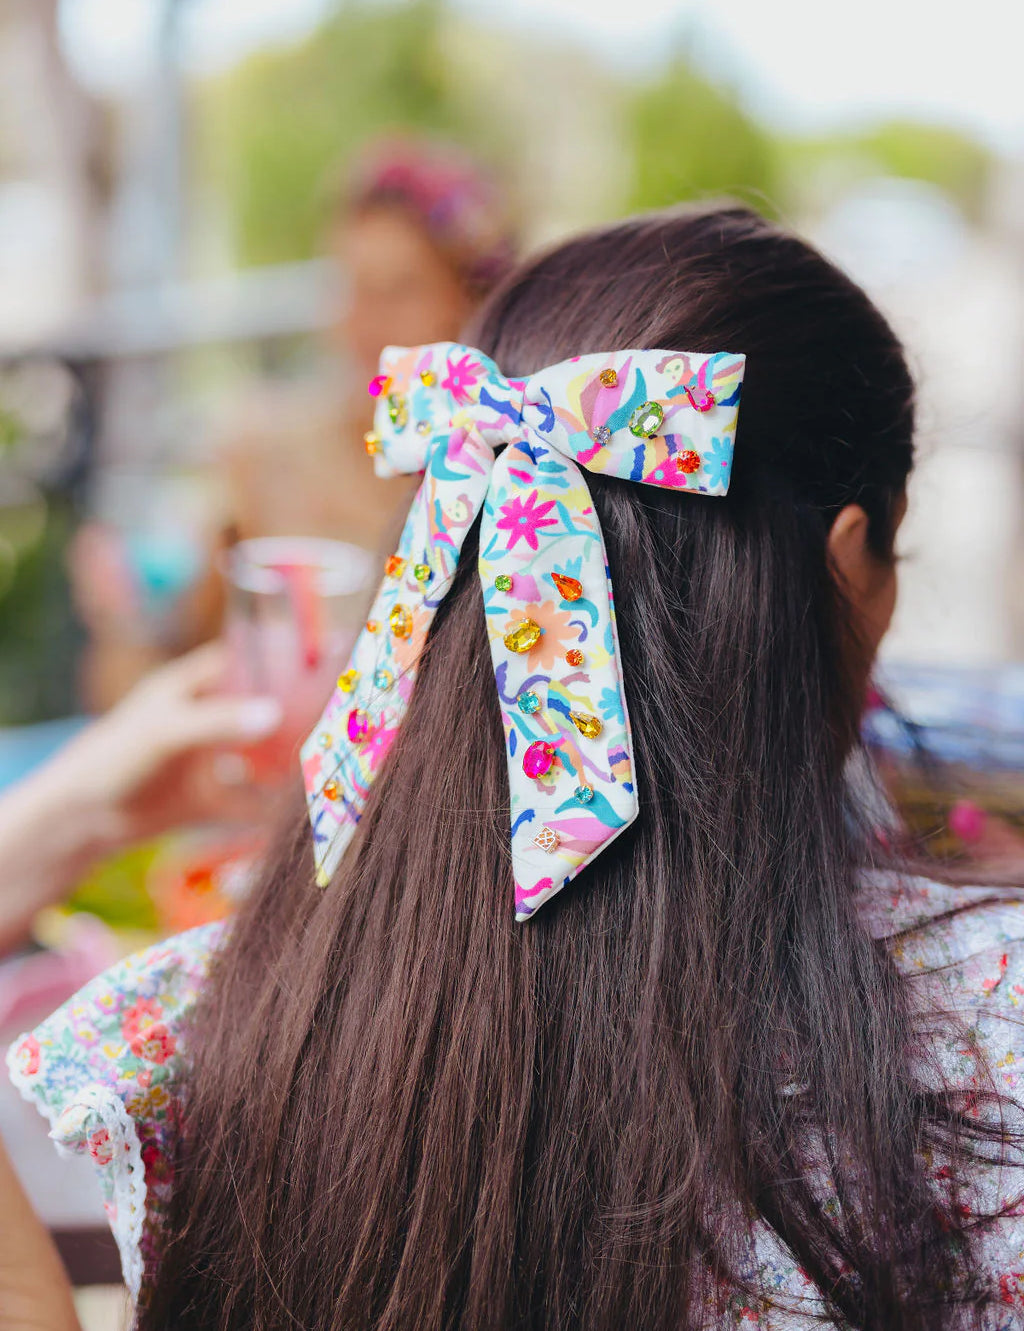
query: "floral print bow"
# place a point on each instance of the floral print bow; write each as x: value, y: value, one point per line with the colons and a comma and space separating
x: 664, y: 418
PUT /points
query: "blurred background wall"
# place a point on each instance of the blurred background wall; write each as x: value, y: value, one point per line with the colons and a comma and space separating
x: 166, y: 175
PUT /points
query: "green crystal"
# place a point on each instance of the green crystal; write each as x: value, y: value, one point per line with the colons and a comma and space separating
x: 647, y: 420
x: 503, y: 582
x: 398, y: 411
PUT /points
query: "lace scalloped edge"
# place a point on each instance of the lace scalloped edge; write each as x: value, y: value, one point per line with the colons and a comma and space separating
x: 129, y: 1172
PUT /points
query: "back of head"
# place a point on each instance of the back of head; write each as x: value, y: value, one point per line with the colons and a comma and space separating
x: 410, y: 1111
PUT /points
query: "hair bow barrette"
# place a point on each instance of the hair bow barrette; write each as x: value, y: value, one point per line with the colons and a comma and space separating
x: 663, y: 418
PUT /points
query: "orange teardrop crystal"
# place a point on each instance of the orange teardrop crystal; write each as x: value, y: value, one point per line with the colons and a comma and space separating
x: 570, y: 589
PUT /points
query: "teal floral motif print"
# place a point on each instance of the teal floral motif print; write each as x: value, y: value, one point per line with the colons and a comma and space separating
x: 717, y: 463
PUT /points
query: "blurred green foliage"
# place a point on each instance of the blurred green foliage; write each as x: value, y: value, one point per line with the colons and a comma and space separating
x: 277, y: 131
x: 38, y: 638
x: 115, y: 889
x: 691, y: 139
x: 947, y: 158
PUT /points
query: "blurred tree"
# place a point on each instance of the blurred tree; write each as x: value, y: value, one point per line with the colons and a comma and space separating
x: 957, y: 163
x: 277, y: 127
x: 947, y: 158
x: 692, y: 139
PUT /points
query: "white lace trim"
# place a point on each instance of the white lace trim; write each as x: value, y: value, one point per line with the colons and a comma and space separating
x: 128, y: 1171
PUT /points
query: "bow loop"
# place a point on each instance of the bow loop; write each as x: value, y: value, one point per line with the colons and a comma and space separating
x: 661, y: 418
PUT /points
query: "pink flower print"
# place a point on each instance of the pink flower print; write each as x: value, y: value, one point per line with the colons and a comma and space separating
x: 28, y: 1056
x: 101, y: 1148
x: 156, y: 1045
x: 461, y: 379
x: 147, y: 1036
x: 139, y: 1018
x: 157, y: 1165
x: 522, y: 520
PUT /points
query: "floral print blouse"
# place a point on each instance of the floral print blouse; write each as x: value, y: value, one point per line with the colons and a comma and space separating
x: 109, y: 1071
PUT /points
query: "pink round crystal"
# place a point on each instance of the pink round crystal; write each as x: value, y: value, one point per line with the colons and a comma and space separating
x: 538, y: 758
x: 358, y: 725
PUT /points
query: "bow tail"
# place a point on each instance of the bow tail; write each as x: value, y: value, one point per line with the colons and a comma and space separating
x: 341, y: 758
x: 551, y: 624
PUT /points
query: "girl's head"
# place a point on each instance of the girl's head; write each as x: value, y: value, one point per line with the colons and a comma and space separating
x: 409, y: 1111
x: 423, y: 237
x: 828, y: 405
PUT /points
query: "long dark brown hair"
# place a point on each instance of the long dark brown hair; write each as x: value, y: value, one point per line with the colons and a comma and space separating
x: 409, y: 1112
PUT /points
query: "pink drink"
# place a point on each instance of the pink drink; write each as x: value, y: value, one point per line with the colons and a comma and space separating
x: 295, y: 605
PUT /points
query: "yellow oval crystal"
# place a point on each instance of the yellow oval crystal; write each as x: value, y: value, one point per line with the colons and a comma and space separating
x: 400, y: 620
x: 586, y: 724
x: 347, y: 680
x: 523, y: 636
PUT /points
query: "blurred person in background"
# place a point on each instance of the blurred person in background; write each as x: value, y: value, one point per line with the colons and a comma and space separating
x: 421, y: 234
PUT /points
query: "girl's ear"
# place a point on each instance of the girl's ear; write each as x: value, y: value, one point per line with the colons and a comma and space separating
x: 867, y: 580
x: 849, y: 553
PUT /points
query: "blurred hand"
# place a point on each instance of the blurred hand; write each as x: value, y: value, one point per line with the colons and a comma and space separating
x: 157, y: 759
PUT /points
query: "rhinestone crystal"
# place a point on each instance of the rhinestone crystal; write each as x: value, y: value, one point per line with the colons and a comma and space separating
x: 347, y: 680
x: 584, y: 794
x: 325, y: 740
x: 528, y: 702
x: 703, y: 403
x: 570, y: 589
x: 523, y: 636
x: 574, y: 657
x: 609, y: 378
x: 383, y: 679
x: 400, y: 620
x: 422, y: 572
x: 358, y: 726
x: 538, y: 758
x: 379, y: 385
x: 372, y: 626
x: 422, y: 427
x: 503, y: 582
x: 371, y: 442
x: 394, y: 566
x: 646, y: 421
x: 547, y: 839
x: 398, y: 411
x: 332, y: 790
x: 602, y: 435
x: 428, y: 378
x: 586, y: 724
x: 688, y: 462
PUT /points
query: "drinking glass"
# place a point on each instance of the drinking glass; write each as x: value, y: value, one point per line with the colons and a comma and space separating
x: 294, y: 607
